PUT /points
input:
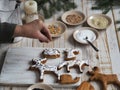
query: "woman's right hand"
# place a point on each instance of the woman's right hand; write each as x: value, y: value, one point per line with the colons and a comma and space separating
x: 35, y: 29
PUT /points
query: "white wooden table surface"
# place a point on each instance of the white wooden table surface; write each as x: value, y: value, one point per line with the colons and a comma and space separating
x: 108, y: 58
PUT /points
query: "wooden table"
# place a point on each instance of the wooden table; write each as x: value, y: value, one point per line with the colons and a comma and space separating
x: 108, y: 42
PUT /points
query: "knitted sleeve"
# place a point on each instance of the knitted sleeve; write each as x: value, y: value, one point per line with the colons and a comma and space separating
x: 6, y: 32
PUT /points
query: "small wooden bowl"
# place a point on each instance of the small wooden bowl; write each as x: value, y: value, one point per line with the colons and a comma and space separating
x: 92, y: 18
x: 40, y: 86
x: 59, y: 24
x: 80, y: 37
x: 72, y: 12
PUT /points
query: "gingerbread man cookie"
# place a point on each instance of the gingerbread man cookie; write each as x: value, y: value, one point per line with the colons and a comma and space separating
x: 103, y: 78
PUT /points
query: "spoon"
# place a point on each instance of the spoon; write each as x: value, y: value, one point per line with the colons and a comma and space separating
x: 91, y: 44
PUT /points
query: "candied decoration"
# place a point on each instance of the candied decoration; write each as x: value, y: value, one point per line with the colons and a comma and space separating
x: 54, y: 29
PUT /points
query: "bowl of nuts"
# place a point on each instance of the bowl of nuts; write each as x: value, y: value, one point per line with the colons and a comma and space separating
x: 56, y: 28
x: 73, y: 17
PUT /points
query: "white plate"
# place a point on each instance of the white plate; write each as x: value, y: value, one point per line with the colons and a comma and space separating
x: 81, y: 33
x: 96, y: 16
x: 72, y: 12
x: 40, y: 86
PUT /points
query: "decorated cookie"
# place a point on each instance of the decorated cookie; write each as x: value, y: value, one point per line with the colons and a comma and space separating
x: 39, y: 63
x: 103, y: 78
x: 85, y: 86
x: 69, y: 64
x: 51, y: 53
x: 70, y: 54
x: 67, y: 79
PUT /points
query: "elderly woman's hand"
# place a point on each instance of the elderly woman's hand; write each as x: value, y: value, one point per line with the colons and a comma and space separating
x: 35, y: 29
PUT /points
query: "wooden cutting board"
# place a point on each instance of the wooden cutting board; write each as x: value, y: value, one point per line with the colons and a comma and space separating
x: 15, y: 70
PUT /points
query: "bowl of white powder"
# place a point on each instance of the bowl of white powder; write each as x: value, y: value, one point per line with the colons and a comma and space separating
x: 81, y: 33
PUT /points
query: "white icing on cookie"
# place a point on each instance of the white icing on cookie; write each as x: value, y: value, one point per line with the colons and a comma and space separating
x: 73, y: 63
x: 43, y: 67
x: 51, y: 52
x: 70, y: 53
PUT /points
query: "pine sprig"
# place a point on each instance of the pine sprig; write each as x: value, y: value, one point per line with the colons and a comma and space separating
x: 50, y: 7
x: 104, y: 5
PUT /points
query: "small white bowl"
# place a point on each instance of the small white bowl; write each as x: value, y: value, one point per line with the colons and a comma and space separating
x: 91, y: 21
x: 40, y: 86
x: 81, y: 33
x: 72, y: 12
x: 59, y: 24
